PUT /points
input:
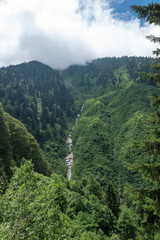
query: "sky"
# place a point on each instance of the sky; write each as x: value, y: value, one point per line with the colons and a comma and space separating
x: 64, y: 32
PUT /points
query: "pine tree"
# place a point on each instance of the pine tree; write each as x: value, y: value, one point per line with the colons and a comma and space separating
x: 151, y: 170
x: 111, y: 199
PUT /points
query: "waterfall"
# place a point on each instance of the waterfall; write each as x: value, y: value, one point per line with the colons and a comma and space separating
x: 69, y: 159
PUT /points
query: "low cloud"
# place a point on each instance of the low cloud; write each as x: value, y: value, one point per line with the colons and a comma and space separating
x: 60, y: 33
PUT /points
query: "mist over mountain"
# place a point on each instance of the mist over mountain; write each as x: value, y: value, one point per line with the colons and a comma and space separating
x: 60, y: 33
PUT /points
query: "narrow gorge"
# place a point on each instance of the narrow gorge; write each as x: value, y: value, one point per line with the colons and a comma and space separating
x: 69, y: 159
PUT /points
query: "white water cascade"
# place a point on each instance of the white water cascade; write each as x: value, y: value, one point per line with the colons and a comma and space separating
x: 69, y: 159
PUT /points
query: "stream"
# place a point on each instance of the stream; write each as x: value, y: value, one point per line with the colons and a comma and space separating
x: 69, y: 159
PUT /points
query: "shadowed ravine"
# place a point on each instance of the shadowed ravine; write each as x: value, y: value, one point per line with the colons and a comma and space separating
x: 69, y: 159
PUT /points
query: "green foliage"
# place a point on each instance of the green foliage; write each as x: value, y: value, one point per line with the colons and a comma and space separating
x: 35, y: 207
x: 102, y: 215
x: 112, y: 200
x: 30, y: 209
x: 17, y: 143
x: 150, y: 169
x: 106, y: 133
x: 93, y: 186
x: 150, y: 12
x: 127, y: 224
x: 114, y: 119
x: 104, y: 75
x: 35, y: 94
x: 5, y: 145
x: 92, y: 146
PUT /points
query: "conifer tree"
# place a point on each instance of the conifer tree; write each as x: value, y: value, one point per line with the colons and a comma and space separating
x: 112, y: 200
x: 151, y: 170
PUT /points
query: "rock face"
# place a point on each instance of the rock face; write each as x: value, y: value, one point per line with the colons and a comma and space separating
x: 69, y: 159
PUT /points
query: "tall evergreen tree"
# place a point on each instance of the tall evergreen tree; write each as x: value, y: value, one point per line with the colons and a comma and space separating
x: 112, y: 200
x: 151, y: 170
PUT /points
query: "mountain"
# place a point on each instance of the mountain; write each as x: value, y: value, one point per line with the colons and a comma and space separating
x: 115, y: 98
x: 103, y: 200
x: 35, y: 94
x: 116, y: 107
x: 105, y: 75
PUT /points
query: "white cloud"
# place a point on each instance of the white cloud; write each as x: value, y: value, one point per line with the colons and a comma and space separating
x: 60, y: 32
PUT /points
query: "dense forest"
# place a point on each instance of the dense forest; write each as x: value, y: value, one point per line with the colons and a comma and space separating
x: 96, y: 202
x: 114, y: 191
x: 35, y: 94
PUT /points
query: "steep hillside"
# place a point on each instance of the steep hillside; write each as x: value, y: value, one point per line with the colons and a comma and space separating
x: 105, y: 75
x: 115, y: 117
x: 35, y: 94
x: 16, y: 145
x: 106, y: 134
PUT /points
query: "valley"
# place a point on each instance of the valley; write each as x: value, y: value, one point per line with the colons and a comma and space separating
x: 79, y: 120
x: 70, y: 169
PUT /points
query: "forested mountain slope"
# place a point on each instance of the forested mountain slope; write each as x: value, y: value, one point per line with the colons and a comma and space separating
x: 107, y: 132
x: 16, y: 145
x: 98, y: 202
x: 105, y: 75
x: 115, y: 116
x: 35, y: 94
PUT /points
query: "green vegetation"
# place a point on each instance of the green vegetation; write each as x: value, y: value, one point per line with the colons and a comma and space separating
x: 35, y: 94
x: 109, y: 127
x: 150, y: 170
x: 96, y: 203
x: 16, y: 144
x: 104, y: 75
x: 38, y: 207
x: 114, y: 190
